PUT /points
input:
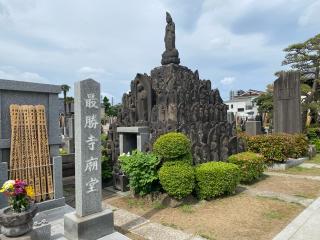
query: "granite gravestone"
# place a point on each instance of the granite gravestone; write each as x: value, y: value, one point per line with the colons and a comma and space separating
x: 89, y: 221
x: 253, y: 128
x: 29, y: 93
x: 287, y: 116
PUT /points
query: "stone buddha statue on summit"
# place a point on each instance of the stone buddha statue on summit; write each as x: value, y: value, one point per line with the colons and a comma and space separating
x: 171, y: 54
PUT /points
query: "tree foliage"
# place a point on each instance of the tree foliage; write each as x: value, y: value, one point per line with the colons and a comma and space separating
x: 110, y: 110
x: 305, y: 58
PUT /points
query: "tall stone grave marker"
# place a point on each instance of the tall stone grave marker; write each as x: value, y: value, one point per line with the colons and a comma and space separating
x: 89, y: 221
x: 287, y: 103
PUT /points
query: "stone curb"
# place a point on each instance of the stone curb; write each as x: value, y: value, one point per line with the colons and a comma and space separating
x: 300, y: 221
x: 281, y: 196
x: 317, y: 178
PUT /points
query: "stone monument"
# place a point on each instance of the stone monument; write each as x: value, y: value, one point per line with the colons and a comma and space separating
x: 174, y: 98
x: 287, y: 117
x: 89, y: 221
x: 171, y: 54
x: 253, y: 127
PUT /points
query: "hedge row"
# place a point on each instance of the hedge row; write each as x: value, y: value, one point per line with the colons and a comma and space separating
x: 278, y: 147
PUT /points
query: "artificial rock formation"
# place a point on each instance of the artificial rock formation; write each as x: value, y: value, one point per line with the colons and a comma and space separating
x: 173, y: 98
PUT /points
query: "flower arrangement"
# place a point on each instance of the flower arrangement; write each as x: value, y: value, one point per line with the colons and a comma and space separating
x: 19, y: 193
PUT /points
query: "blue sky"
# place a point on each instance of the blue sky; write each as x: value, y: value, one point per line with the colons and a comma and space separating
x: 235, y: 44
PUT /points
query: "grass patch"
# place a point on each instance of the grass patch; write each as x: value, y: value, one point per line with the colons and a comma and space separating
x: 186, y: 208
x: 301, y: 170
x: 206, y: 236
x: 315, y: 159
x: 272, y: 215
x: 158, y: 205
x: 132, y: 203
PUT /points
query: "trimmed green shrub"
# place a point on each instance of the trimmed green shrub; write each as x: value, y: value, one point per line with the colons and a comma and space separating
x: 172, y: 146
x: 278, y: 147
x: 251, y: 165
x: 187, y: 158
x: 177, y: 179
x: 142, y: 170
x: 313, y: 135
x: 216, y: 178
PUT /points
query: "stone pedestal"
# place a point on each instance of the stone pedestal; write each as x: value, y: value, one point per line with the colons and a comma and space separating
x: 93, y: 226
x: 42, y: 232
x: 253, y: 128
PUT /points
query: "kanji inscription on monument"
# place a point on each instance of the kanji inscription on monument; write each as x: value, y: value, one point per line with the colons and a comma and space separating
x: 88, y: 152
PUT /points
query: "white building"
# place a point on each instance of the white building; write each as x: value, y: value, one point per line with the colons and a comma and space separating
x: 242, y: 105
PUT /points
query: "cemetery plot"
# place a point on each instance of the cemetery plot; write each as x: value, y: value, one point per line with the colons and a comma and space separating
x: 235, y: 217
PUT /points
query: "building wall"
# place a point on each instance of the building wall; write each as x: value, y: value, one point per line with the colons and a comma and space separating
x: 243, y: 107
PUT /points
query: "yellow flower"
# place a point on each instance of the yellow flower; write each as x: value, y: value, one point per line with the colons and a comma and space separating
x: 30, y: 191
x: 8, y: 185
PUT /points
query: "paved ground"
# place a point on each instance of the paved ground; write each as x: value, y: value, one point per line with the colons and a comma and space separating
x: 303, y: 227
x: 306, y: 226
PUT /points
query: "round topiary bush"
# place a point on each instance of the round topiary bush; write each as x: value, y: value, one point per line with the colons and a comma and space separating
x: 187, y: 158
x: 251, y: 165
x: 216, y: 178
x: 177, y: 179
x: 172, y: 146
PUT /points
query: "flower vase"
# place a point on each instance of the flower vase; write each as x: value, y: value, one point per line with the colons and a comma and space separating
x: 14, y: 224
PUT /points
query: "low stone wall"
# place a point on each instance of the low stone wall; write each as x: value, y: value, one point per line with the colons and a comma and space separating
x: 291, y: 162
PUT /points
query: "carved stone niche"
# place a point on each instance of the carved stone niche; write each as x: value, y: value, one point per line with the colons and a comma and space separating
x: 142, y: 84
x: 132, y: 138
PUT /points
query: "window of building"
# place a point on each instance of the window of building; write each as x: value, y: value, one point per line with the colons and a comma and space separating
x: 240, y: 109
x: 231, y: 106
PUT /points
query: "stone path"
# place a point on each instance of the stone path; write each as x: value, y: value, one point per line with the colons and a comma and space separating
x: 281, y: 196
x: 309, y: 165
x: 317, y: 178
x: 305, y: 226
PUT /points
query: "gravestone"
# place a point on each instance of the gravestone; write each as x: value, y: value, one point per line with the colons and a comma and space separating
x: 28, y: 93
x: 89, y: 221
x: 253, y: 128
x: 287, y: 117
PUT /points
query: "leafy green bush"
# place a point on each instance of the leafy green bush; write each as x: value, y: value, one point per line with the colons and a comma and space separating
x: 106, y: 163
x: 216, y: 178
x: 106, y: 168
x: 313, y: 135
x: 142, y: 170
x: 177, y: 178
x: 172, y: 146
x: 62, y: 151
x: 251, y: 165
x: 278, y: 147
x: 187, y: 158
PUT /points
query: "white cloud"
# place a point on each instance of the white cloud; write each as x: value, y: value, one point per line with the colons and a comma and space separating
x: 12, y: 73
x: 227, y: 80
x: 111, y: 41
x: 90, y: 72
x: 310, y: 16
